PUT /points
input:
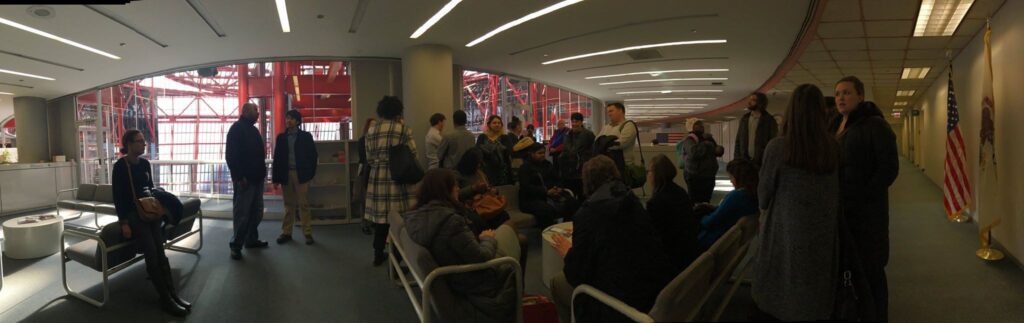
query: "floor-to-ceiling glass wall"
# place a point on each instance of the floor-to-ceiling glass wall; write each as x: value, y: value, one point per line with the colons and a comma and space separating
x: 185, y: 117
x: 542, y: 105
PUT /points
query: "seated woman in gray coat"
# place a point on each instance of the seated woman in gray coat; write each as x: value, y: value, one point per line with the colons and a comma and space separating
x: 795, y: 274
x: 435, y: 223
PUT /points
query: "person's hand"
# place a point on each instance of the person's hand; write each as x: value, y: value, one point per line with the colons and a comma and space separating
x: 126, y: 231
x: 487, y: 234
x: 553, y: 192
x: 561, y: 244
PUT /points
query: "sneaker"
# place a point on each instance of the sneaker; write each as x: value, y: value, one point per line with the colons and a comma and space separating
x: 257, y: 244
x: 236, y: 254
x: 284, y: 238
x: 309, y: 239
x: 378, y: 259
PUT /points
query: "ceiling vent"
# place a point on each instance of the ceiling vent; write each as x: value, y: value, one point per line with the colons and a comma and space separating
x: 642, y: 54
x: 41, y: 12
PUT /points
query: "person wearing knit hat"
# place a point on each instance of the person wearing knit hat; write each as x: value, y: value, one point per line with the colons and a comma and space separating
x: 537, y: 179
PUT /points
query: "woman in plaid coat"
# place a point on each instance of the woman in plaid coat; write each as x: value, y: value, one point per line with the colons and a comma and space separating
x: 383, y: 195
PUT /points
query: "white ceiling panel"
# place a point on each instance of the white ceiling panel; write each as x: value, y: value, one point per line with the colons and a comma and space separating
x: 889, y: 28
x: 898, y: 43
x: 845, y: 44
x: 854, y: 55
x: 842, y: 10
x: 889, y: 9
x: 841, y: 29
x: 929, y: 42
x: 887, y: 54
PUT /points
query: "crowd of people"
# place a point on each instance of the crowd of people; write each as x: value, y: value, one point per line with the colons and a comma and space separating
x: 818, y: 183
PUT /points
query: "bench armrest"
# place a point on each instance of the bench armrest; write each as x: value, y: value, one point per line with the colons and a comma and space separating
x: 610, y: 301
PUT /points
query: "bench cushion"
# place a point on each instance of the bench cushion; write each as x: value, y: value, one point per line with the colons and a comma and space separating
x: 104, y: 194
x: 105, y: 208
x: 86, y: 192
x: 89, y: 254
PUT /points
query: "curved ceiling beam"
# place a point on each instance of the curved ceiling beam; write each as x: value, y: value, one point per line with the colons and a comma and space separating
x: 807, y: 34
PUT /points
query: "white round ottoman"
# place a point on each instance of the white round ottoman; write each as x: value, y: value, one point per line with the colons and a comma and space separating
x: 32, y: 240
x: 551, y: 261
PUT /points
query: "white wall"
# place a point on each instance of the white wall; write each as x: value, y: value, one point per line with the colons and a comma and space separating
x: 1005, y: 198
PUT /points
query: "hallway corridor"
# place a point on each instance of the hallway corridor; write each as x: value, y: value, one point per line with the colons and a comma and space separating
x: 933, y: 273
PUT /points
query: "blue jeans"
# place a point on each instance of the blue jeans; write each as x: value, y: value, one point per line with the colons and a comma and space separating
x: 247, y: 210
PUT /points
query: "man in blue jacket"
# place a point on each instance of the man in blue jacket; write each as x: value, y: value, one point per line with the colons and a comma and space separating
x: 245, y: 156
x: 295, y: 160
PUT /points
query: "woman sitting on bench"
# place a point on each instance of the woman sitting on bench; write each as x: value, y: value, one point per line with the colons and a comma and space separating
x: 435, y: 223
x: 148, y: 236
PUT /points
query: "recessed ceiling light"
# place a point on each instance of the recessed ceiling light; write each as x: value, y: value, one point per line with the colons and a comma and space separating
x: 525, y: 18
x: 915, y: 72
x: 669, y: 80
x: 434, y: 19
x: 282, y: 14
x: 656, y: 73
x: 626, y: 49
x: 55, y: 37
x: 671, y: 91
x: 27, y: 75
x: 906, y: 92
x: 940, y: 17
x: 669, y: 98
x: 900, y: 103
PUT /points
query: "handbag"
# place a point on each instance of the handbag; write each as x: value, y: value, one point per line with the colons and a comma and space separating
x: 539, y: 309
x: 149, y: 208
x: 489, y: 204
x: 854, y: 301
x: 405, y: 169
x: 635, y: 175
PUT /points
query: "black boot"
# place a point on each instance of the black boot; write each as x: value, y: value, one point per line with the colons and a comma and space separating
x: 170, y: 307
x: 171, y: 290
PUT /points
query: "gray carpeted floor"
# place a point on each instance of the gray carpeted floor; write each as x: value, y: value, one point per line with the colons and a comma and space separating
x: 933, y: 276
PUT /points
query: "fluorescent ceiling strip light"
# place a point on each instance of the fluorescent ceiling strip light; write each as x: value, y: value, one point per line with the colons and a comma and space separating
x: 915, y: 72
x: 27, y: 74
x: 282, y: 14
x: 6, y: 93
x: 656, y: 73
x: 525, y: 18
x: 55, y: 37
x: 669, y: 80
x: 667, y: 105
x: 900, y: 103
x: 437, y: 17
x: 671, y: 91
x: 906, y: 92
x: 626, y: 49
x: 940, y: 17
x: 670, y: 98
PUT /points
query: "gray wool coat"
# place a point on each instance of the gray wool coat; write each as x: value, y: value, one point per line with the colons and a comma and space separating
x: 795, y: 270
x: 479, y: 296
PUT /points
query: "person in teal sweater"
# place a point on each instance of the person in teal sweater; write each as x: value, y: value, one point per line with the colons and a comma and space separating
x: 741, y: 202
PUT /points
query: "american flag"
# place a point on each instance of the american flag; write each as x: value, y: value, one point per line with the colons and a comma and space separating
x: 670, y: 137
x: 956, y: 186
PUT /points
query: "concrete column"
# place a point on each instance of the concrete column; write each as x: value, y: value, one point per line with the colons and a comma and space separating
x: 427, y: 84
x: 371, y: 81
x: 32, y: 129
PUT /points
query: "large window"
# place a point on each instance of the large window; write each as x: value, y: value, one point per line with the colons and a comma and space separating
x: 185, y: 117
x: 541, y: 105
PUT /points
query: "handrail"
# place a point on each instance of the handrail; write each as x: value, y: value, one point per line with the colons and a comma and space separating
x: 610, y: 301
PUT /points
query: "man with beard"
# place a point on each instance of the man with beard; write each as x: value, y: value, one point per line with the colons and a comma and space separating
x: 757, y: 127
